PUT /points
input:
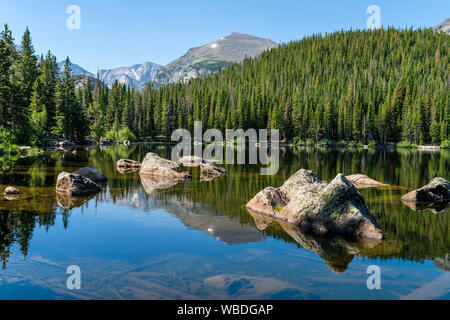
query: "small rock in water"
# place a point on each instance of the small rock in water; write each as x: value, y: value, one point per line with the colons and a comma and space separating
x: 210, y: 172
x: 75, y: 185
x: 127, y: 163
x: 157, y: 166
x: 438, y: 190
x: 362, y: 181
x: 11, y: 190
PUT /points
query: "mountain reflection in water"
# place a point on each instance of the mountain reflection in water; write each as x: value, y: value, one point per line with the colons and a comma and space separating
x: 216, y: 208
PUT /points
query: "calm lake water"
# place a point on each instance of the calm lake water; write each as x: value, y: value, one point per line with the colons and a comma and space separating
x: 196, y: 239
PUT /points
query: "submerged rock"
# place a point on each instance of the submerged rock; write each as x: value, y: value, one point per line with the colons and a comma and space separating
x: 362, y: 181
x: 210, y: 172
x: 438, y: 190
x: 92, y: 174
x: 127, y: 163
x: 156, y: 166
x: 307, y: 201
x: 11, y: 190
x: 75, y: 185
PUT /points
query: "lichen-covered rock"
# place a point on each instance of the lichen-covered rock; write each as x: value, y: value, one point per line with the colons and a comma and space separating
x: 336, y: 207
x: 268, y: 201
x: 92, y: 174
x: 11, y: 190
x: 308, y: 202
x: 362, y: 181
x: 299, y: 179
x: 209, y: 171
x: 156, y: 166
x: 437, y: 190
x: 75, y: 185
x: 127, y: 163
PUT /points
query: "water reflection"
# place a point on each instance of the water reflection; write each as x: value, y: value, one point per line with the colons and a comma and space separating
x: 217, y: 207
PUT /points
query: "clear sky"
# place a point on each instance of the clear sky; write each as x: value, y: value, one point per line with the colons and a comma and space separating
x: 122, y: 33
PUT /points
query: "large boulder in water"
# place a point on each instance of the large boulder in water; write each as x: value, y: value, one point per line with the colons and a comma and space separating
x: 92, y: 174
x: 312, y: 204
x: 438, y: 190
x: 336, y: 207
x: 75, y: 185
x: 156, y: 166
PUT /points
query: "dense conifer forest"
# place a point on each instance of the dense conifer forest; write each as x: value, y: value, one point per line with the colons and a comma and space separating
x: 379, y: 86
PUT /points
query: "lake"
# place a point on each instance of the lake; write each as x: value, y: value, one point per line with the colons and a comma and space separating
x: 196, y: 240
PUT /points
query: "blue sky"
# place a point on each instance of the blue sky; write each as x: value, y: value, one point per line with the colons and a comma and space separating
x: 121, y: 33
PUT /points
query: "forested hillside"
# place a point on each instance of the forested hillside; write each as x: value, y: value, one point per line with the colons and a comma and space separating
x: 383, y: 85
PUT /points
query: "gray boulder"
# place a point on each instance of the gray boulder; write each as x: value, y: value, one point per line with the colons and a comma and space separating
x: 156, y: 166
x: 127, y: 163
x: 75, y: 185
x: 210, y: 172
x: 362, y: 181
x: 438, y: 190
x: 92, y: 174
x: 306, y: 201
x: 11, y: 190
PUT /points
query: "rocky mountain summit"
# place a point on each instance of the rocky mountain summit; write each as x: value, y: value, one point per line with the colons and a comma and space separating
x: 207, y: 59
x: 443, y: 27
x: 133, y: 76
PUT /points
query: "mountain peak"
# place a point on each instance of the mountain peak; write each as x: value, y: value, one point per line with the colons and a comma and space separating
x: 207, y: 59
x: 443, y: 27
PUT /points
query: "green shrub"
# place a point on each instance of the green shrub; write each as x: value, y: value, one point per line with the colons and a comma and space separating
x: 445, y: 144
x: 406, y: 144
x: 121, y: 135
x: 372, y: 144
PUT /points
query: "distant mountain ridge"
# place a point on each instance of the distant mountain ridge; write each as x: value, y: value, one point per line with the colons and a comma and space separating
x: 76, y: 69
x: 197, y: 62
x: 133, y: 76
x: 207, y: 59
